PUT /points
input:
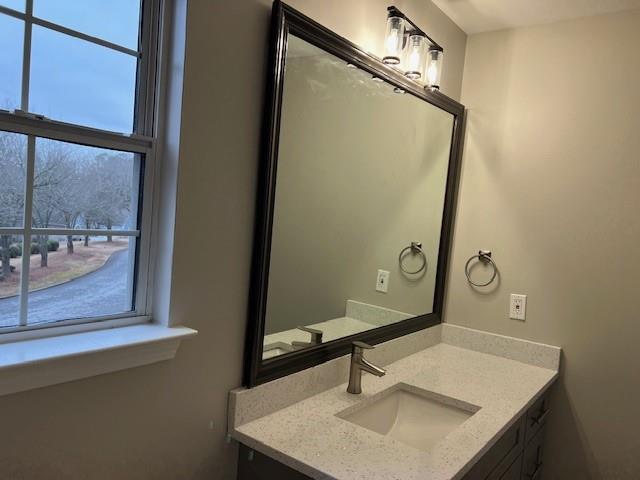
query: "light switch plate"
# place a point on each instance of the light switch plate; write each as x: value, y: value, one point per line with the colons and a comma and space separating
x: 382, y: 282
x: 518, y: 306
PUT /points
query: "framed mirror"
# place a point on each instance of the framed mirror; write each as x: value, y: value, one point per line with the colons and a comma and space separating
x: 355, y: 206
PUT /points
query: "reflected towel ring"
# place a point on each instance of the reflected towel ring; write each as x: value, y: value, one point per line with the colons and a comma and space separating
x: 483, y: 256
x: 416, y: 249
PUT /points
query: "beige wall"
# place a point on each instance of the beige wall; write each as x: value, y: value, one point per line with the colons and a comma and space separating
x: 153, y: 422
x: 551, y: 184
x: 354, y: 187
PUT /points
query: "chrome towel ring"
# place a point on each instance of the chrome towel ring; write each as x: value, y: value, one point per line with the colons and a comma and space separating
x: 416, y: 249
x: 483, y: 256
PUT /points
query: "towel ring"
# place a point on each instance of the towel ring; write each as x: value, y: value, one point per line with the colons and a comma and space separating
x: 416, y: 248
x: 483, y: 256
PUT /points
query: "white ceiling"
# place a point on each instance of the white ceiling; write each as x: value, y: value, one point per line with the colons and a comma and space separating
x: 475, y: 16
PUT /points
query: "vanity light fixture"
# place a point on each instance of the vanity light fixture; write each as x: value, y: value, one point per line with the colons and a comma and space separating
x: 407, y: 47
x: 415, y: 55
x: 394, y: 38
x: 434, y: 68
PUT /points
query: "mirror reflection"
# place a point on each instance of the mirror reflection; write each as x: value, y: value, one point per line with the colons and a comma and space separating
x: 360, y: 187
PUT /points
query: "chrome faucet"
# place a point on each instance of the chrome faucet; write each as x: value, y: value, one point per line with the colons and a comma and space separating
x: 316, y: 338
x: 358, y: 364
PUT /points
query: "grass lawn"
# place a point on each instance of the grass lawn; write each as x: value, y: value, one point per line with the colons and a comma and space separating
x: 62, y: 267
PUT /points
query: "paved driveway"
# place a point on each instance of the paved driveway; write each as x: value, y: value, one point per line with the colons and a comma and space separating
x: 101, y: 292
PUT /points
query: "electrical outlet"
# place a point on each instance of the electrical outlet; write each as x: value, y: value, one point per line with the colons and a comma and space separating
x: 382, y: 282
x: 518, y: 306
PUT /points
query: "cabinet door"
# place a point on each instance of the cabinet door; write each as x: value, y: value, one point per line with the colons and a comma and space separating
x: 513, y: 472
x: 533, y: 460
x: 537, y: 416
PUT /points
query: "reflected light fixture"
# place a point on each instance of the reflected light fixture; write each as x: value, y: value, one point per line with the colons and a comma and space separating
x: 411, y: 50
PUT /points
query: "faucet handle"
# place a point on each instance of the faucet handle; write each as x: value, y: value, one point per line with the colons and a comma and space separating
x: 316, y: 335
x: 358, y: 346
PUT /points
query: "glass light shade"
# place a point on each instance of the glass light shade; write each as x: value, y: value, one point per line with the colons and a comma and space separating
x: 414, y: 59
x: 393, y: 40
x: 434, y: 68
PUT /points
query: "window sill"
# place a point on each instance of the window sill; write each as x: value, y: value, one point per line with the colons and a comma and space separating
x: 40, y: 362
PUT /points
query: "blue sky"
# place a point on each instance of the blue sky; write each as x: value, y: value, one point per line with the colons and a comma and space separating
x: 73, y: 80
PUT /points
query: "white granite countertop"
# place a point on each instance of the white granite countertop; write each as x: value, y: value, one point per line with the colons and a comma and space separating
x: 309, y: 437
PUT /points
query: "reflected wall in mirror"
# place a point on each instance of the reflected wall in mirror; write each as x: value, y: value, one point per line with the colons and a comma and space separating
x: 361, y: 174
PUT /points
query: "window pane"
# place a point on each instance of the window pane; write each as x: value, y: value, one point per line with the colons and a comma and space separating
x: 10, y: 259
x: 84, y: 187
x: 80, y: 82
x: 80, y: 280
x: 13, y: 159
x: 11, y: 41
x: 13, y: 4
x: 116, y: 21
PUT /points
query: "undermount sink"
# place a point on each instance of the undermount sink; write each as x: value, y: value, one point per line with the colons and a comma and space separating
x: 412, y: 416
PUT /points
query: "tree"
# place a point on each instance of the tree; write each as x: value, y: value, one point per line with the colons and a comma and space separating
x: 110, y: 198
x: 50, y: 183
x: 70, y: 202
x: 12, y: 174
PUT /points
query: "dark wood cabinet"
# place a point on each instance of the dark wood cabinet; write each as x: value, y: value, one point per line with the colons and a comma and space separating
x: 517, y: 455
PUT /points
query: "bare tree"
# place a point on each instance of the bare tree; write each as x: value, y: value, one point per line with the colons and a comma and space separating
x: 12, y: 174
x: 110, y: 199
x: 71, y: 199
x: 50, y: 184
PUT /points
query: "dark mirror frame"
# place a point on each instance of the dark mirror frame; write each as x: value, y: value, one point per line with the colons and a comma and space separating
x: 285, y: 21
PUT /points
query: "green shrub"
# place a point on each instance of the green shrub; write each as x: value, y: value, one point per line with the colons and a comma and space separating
x: 52, y: 246
x: 15, y: 250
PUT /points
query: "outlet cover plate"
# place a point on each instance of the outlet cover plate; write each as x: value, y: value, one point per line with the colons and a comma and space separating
x: 382, y: 281
x: 518, y: 306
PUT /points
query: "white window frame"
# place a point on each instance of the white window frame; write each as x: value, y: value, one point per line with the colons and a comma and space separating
x: 143, y: 141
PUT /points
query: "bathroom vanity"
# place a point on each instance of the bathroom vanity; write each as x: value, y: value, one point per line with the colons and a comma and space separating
x: 355, y: 211
x: 467, y: 405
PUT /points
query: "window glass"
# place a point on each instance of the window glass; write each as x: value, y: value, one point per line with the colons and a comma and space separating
x: 76, y: 81
x: 13, y: 4
x: 93, y: 281
x: 81, y: 239
x: 13, y: 159
x: 116, y: 21
x: 76, y: 186
x: 11, y: 41
x: 10, y: 267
